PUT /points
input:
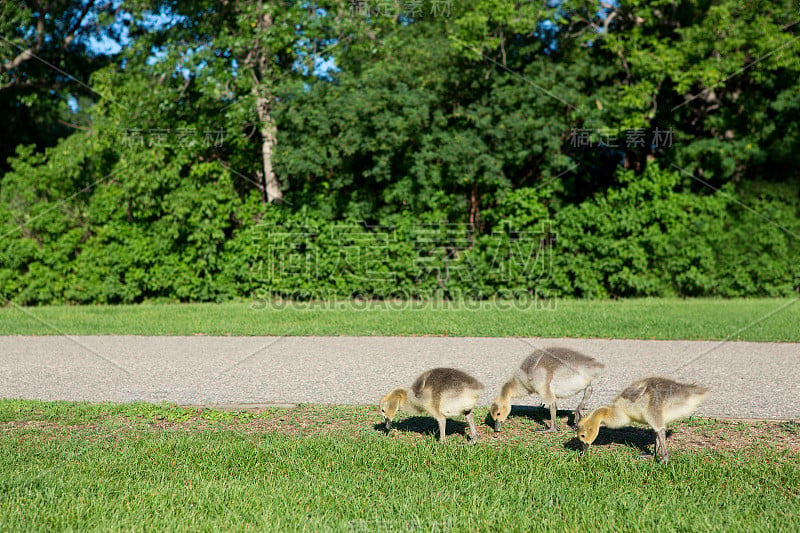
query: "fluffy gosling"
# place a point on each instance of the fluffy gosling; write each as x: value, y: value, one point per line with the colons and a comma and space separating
x: 552, y: 373
x: 655, y: 401
x: 441, y: 393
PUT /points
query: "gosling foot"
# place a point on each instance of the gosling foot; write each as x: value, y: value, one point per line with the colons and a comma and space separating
x: 550, y: 427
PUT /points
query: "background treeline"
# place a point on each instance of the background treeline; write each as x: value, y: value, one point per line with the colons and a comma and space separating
x: 398, y: 149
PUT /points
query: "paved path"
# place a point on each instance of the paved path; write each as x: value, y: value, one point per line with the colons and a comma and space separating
x: 748, y: 380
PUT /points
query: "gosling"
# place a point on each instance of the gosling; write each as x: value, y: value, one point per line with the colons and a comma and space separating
x: 441, y: 393
x: 655, y: 401
x: 552, y: 373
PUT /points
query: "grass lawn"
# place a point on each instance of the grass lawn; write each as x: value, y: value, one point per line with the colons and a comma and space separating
x: 321, y: 468
x: 707, y: 319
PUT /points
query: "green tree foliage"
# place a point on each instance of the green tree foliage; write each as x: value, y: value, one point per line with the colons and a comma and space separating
x: 45, y: 59
x: 483, y: 153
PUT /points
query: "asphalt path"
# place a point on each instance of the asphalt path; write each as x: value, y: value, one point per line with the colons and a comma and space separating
x: 747, y: 379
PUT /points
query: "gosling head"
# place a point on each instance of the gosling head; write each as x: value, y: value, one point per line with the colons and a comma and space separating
x: 499, y: 412
x: 390, y: 404
x: 587, y: 431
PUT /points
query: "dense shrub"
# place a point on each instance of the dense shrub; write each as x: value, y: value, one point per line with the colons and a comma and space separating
x: 194, y: 239
x: 650, y: 237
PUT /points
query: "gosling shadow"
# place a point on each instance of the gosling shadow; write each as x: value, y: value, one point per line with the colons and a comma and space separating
x: 641, y: 438
x: 539, y: 414
x: 426, y: 425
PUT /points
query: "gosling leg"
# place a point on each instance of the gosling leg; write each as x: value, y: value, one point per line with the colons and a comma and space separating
x: 442, y: 426
x: 553, y: 424
x: 661, y: 445
x: 473, y: 431
x: 587, y: 393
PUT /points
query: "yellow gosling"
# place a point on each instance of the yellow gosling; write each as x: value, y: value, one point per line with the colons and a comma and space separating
x: 441, y: 393
x: 552, y: 373
x: 655, y: 401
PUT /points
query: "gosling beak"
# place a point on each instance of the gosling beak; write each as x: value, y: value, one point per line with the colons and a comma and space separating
x: 584, y: 446
x: 497, y: 424
x: 388, y: 424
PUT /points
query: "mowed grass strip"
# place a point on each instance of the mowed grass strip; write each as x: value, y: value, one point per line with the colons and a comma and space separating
x: 700, y: 319
x: 320, y: 468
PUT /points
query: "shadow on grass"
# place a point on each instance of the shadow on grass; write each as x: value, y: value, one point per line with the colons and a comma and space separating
x: 636, y: 437
x: 540, y: 415
x: 426, y: 425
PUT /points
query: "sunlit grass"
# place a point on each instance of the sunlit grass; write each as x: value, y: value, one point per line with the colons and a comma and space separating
x: 707, y: 319
x: 321, y: 468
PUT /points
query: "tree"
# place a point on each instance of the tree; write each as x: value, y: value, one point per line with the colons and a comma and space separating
x: 254, y: 55
x: 723, y: 76
x: 214, y: 111
x: 46, y: 59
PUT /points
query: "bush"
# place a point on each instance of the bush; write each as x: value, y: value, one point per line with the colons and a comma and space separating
x: 168, y: 228
x: 650, y: 237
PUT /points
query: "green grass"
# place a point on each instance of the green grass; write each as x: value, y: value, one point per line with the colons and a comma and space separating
x: 742, y: 319
x: 317, y: 468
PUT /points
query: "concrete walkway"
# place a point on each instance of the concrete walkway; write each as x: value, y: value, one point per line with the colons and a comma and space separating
x: 747, y: 380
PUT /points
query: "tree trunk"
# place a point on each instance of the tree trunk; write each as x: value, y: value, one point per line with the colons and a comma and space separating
x: 272, y: 188
x: 474, y: 212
